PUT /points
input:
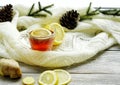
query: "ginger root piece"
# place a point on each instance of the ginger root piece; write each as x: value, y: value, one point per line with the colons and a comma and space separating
x: 11, y: 68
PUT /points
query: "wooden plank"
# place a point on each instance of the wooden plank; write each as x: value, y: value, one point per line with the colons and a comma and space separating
x: 104, y: 62
x: 95, y: 79
x: 77, y: 79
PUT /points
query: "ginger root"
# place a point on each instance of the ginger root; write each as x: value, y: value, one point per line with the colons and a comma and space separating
x: 9, y: 67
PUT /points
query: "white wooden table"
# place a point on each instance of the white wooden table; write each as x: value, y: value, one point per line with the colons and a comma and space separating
x: 102, y: 69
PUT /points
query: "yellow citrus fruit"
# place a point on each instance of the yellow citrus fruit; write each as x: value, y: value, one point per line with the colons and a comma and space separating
x: 48, y: 78
x: 63, y: 77
x: 40, y: 32
x: 59, y: 32
x: 28, y: 81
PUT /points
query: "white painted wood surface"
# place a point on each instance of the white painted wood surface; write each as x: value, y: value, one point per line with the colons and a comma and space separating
x: 103, y: 69
x: 77, y: 79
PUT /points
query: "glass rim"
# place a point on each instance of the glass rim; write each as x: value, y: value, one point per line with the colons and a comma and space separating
x: 46, y: 37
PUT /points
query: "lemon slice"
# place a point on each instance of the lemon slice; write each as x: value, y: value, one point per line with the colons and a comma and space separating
x: 28, y: 81
x: 59, y: 32
x: 48, y: 78
x: 40, y: 33
x: 63, y: 77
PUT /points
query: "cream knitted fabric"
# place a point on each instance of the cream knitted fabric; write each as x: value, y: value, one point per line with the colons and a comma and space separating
x: 80, y: 44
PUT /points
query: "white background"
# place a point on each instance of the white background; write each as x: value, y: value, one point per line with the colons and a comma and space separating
x: 64, y: 3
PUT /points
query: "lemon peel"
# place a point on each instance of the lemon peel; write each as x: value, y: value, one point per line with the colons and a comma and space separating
x: 63, y: 76
x: 59, y: 32
x: 28, y: 81
x: 48, y: 78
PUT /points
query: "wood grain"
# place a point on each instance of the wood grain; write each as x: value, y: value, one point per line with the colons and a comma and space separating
x: 103, y: 69
x: 77, y: 79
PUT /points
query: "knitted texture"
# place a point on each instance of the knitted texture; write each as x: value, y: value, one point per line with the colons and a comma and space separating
x: 85, y: 41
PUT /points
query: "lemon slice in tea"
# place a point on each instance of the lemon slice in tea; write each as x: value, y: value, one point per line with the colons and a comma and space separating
x: 40, y: 32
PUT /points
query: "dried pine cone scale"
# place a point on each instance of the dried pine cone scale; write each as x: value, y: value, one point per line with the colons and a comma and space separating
x: 6, y: 13
x: 70, y: 19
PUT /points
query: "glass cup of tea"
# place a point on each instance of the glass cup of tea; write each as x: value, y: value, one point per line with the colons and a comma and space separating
x: 41, y: 39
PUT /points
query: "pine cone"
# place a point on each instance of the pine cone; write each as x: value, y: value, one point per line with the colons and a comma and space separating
x: 6, y: 13
x: 70, y: 19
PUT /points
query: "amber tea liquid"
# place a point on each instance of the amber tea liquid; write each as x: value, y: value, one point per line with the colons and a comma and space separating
x: 41, y: 40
